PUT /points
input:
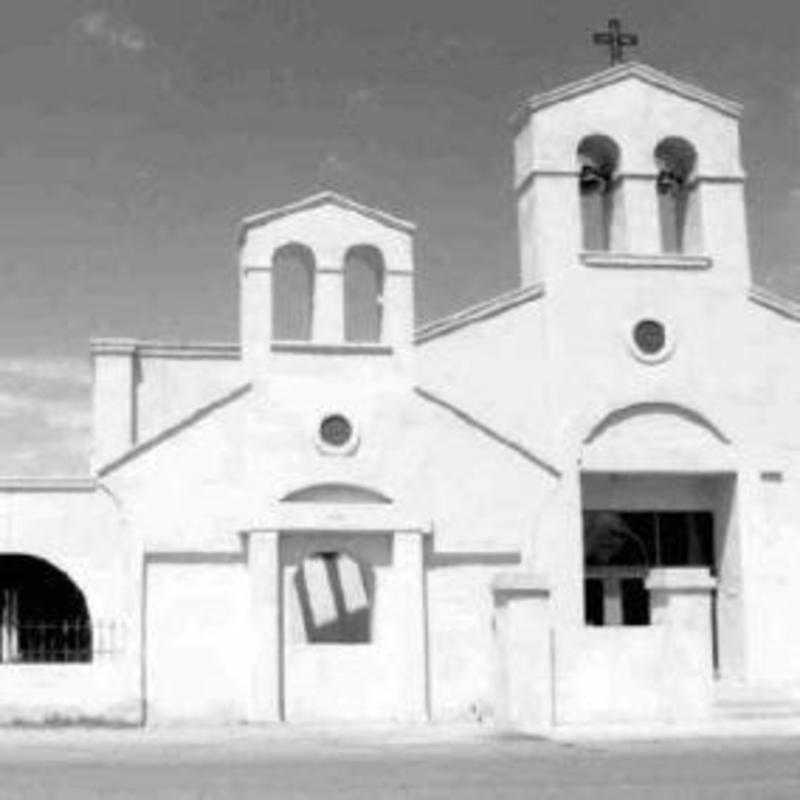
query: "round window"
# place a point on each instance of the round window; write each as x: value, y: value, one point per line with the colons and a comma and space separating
x: 335, y: 430
x: 649, y: 336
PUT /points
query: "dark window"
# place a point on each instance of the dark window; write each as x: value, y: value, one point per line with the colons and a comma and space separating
x: 635, y: 602
x: 650, y: 336
x: 620, y: 547
x: 593, y: 601
x: 336, y: 430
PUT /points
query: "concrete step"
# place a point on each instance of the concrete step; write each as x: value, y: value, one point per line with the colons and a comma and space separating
x: 744, y: 702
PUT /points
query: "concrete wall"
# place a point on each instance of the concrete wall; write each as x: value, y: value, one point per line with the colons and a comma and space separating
x: 82, y: 533
x: 345, y: 681
x: 482, y: 432
x: 197, y: 640
x: 629, y: 674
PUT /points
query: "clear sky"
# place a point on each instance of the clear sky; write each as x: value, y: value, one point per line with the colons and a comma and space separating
x: 133, y: 135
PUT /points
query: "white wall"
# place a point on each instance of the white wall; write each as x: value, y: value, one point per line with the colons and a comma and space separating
x: 84, y: 534
x: 196, y: 644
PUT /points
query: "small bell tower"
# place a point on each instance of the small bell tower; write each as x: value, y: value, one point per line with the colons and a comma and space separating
x: 325, y: 275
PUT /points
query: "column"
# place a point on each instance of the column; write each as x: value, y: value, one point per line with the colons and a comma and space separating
x: 398, y: 309
x: 522, y: 630
x: 636, y: 227
x: 549, y: 226
x: 562, y: 547
x: 328, y: 309
x: 264, y: 566
x: 612, y: 601
x: 255, y: 304
x: 409, y: 563
x: 680, y: 603
x: 113, y: 399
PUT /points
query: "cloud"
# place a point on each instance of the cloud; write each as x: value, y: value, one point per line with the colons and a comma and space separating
x: 45, y: 416
x: 114, y: 33
x: 70, y: 370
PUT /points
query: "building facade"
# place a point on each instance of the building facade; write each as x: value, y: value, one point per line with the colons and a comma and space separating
x: 575, y: 504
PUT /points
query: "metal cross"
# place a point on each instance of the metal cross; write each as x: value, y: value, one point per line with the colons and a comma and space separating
x: 616, y: 40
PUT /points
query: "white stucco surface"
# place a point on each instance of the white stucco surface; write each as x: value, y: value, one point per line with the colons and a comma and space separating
x: 475, y: 446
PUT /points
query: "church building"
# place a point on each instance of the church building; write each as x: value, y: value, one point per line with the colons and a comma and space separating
x: 573, y: 505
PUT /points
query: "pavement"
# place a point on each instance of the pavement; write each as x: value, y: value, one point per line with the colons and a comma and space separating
x: 427, y: 762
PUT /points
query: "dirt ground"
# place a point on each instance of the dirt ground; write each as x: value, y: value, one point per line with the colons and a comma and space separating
x: 253, y: 763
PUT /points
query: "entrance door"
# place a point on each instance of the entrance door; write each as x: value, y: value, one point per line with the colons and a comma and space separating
x: 341, y: 659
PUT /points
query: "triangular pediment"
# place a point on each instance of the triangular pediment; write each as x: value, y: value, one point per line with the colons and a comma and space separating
x: 632, y: 70
x: 326, y: 198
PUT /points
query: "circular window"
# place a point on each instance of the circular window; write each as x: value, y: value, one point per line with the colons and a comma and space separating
x: 649, y: 336
x: 335, y: 430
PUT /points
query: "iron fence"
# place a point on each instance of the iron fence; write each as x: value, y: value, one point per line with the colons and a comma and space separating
x: 62, y: 641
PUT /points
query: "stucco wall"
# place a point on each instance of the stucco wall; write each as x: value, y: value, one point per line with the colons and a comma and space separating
x: 197, y: 639
x: 169, y: 388
x: 84, y: 534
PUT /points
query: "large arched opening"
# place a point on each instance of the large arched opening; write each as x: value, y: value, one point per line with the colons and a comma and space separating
x: 44, y: 617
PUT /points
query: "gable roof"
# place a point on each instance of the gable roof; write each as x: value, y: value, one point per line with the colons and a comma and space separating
x: 775, y: 302
x: 476, y: 313
x: 621, y: 72
x: 172, y: 430
x: 322, y: 199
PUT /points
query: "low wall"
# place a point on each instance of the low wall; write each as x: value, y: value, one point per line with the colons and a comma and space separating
x: 630, y: 674
x: 585, y: 675
x: 106, y: 691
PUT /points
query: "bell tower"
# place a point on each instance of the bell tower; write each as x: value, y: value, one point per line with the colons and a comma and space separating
x: 325, y: 275
x: 630, y: 167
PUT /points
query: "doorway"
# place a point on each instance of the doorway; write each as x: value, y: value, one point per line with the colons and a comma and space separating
x: 634, y: 522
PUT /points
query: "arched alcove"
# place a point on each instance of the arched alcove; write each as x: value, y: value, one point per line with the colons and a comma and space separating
x: 293, y: 271
x: 676, y: 160
x: 656, y: 436
x: 43, y: 614
x: 598, y: 161
x: 335, y: 493
x: 363, y: 293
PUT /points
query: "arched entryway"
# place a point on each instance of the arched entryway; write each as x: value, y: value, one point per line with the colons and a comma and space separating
x: 44, y: 617
x: 658, y: 488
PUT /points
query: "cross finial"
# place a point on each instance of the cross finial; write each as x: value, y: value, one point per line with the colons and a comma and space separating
x: 616, y: 40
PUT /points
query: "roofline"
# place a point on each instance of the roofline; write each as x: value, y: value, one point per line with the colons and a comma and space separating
x: 478, y: 312
x: 48, y: 484
x: 630, y: 69
x: 104, y: 469
x: 325, y: 198
x: 774, y: 302
x: 149, y: 348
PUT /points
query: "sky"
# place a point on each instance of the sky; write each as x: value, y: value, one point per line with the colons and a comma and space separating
x: 134, y: 135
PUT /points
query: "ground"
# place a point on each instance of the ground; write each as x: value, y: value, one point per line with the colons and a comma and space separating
x: 269, y: 763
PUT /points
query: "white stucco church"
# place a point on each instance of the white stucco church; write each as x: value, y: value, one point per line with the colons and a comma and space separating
x: 576, y: 504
